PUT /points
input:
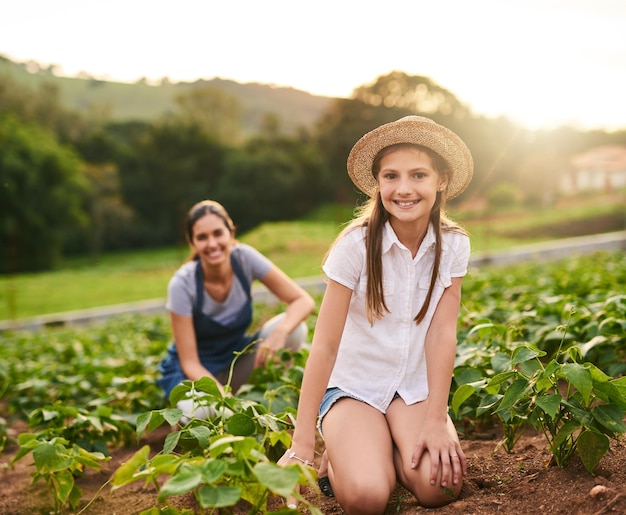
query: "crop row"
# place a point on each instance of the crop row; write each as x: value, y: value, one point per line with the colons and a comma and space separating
x: 540, y: 345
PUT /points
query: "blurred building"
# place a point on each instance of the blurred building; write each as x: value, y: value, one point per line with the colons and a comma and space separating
x: 600, y: 168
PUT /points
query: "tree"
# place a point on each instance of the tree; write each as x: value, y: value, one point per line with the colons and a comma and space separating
x: 40, y: 196
x: 172, y: 166
x: 216, y: 113
x: 109, y: 217
x: 271, y: 178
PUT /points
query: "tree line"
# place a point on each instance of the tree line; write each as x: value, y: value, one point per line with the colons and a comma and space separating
x: 76, y: 183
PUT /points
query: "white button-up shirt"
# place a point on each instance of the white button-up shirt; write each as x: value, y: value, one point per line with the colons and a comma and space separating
x: 375, y: 362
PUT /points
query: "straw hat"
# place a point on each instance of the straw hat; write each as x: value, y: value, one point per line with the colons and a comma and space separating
x: 411, y: 129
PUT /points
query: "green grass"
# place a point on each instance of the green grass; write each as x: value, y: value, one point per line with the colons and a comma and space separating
x: 297, y: 247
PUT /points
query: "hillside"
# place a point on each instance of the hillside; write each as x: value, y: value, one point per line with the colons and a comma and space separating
x: 141, y: 101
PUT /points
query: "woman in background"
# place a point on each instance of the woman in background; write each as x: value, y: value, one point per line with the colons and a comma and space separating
x: 210, y: 306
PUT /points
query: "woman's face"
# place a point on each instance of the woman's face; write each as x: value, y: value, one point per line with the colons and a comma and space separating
x: 212, y: 240
x: 408, y: 184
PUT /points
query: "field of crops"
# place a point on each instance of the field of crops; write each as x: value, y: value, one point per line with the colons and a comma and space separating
x: 541, y: 348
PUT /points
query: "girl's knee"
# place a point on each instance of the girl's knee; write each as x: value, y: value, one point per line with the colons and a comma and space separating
x: 364, y: 496
x: 437, y: 496
x: 417, y: 481
x: 433, y: 496
x: 363, y: 502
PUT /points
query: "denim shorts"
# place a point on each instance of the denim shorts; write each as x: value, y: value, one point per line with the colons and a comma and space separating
x: 331, y: 396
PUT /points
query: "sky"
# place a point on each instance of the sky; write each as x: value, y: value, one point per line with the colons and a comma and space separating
x: 542, y: 63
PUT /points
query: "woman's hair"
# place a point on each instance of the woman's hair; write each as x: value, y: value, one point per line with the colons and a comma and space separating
x: 373, y: 216
x: 203, y: 208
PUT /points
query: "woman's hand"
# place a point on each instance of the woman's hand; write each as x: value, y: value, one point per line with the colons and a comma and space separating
x: 268, y: 348
x: 446, y: 456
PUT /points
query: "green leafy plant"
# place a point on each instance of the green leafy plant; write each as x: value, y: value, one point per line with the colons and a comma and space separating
x: 575, y: 405
x: 57, y: 462
x: 229, y: 456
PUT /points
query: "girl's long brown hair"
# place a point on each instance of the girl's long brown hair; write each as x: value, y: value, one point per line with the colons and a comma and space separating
x: 373, y: 216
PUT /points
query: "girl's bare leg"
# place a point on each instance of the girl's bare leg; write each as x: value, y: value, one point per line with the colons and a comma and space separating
x: 360, y: 454
x: 405, y: 423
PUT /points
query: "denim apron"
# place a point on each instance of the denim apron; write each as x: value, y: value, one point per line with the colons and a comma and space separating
x: 216, y: 342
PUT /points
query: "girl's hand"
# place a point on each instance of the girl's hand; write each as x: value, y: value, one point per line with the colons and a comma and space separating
x: 290, y: 457
x: 446, y: 456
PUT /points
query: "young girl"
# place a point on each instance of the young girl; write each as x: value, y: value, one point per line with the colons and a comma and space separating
x: 378, y: 376
x: 210, y: 305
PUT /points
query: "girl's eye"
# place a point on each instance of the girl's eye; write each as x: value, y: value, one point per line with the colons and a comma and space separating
x: 389, y: 176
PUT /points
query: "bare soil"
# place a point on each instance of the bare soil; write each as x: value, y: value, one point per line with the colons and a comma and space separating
x: 497, y: 483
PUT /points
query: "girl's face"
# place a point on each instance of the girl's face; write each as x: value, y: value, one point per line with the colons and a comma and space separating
x: 408, y: 185
x: 212, y: 240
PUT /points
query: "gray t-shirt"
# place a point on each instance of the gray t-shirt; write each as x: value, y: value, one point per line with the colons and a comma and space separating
x: 181, y: 291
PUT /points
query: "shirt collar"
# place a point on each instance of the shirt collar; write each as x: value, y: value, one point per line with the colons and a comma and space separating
x: 390, y: 237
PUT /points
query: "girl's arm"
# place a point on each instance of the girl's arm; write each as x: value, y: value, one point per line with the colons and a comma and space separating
x: 187, y: 348
x: 440, y: 347
x: 328, y: 331
x: 299, y: 306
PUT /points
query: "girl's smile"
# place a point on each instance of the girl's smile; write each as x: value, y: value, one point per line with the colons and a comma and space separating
x: 408, y: 185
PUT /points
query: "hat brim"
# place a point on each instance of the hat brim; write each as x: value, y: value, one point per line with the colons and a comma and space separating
x: 420, y: 131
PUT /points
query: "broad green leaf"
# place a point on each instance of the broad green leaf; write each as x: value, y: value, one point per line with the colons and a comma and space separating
x: 49, y: 414
x: 179, y: 392
x: 503, y: 377
x: 580, y: 413
x: 148, y: 422
x: 467, y: 375
x: 212, y: 470
x: 610, y: 394
x: 591, y: 446
x: 240, y: 425
x: 124, y: 474
x: 171, y: 441
x: 580, y: 378
x: 550, y: 369
x: 90, y: 459
x: 486, y: 403
x: 280, y: 437
x: 252, y: 491
x: 530, y: 368
x: 549, y: 403
x: 51, y: 457
x: 525, y: 353
x: 63, y: 485
x: 218, y: 496
x: 501, y: 362
x: 268, y: 421
x: 611, y: 417
x: 461, y: 394
x: 184, y: 480
x: 484, y: 330
x: 596, y: 374
x: 208, y: 385
x: 202, y: 434
x: 280, y: 480
x: 142, y: 422
x: 514, y: 393
x: 172, y: 415
x: 75, y: 496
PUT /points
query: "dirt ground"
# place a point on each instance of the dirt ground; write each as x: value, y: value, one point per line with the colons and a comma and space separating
x: 497, y: 483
